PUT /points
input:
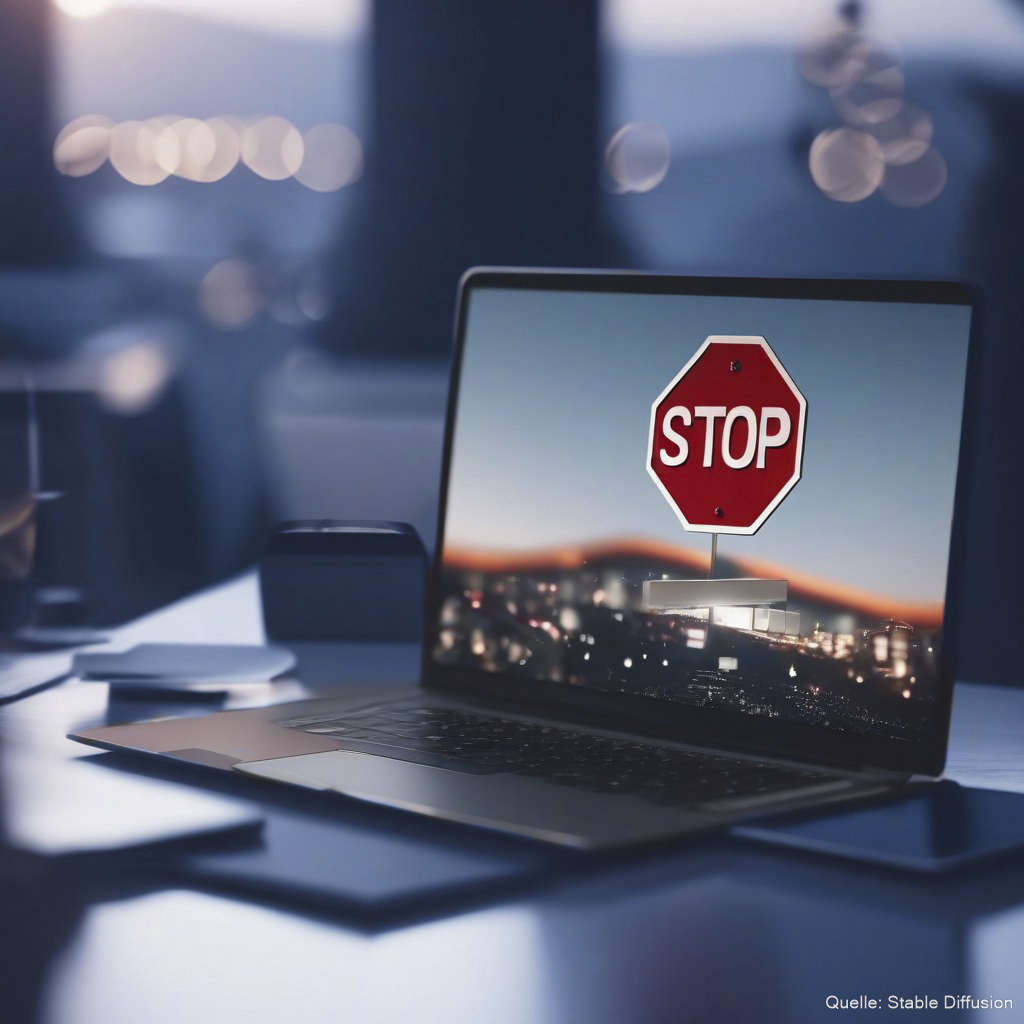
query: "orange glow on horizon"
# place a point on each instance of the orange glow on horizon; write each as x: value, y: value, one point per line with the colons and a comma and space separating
x: 572, y: 557
x: 802, y: 584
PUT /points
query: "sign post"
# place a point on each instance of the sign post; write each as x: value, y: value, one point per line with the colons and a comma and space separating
x: 725, y: 448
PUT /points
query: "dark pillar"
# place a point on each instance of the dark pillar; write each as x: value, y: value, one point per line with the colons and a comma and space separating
x: 988, y: 601
x: 483, y: 147
x: 34, y: 229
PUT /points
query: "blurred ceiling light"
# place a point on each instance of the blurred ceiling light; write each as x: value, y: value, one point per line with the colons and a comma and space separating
x: 314, y: 19
x: 211, y: 150
x: 281, y: 288
x: 332, y: 158
x: 874, y: 93
x: 299, y: 296
x: 167, y: 145
x: 312, y: 298
x: 828, y: 58
x: 905, y: 137
x: 82, y: 146
x: 846, y: 164
x: 82, y: 8
x: 170, y: 143
x: 131, y: 379
x: 888, y: 146
x: 638, y: 156
x: 135, y: 154
x: 230, y: 295
x: 917, y: 182
x: 272, y: 148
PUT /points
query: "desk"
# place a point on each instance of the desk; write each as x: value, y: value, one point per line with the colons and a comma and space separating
x: 711, y: 931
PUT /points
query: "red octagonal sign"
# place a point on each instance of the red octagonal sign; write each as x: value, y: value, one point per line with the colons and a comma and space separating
x: 727, y: 436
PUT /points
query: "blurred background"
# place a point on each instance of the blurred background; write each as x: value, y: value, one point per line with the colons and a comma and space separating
x: 231, y: 233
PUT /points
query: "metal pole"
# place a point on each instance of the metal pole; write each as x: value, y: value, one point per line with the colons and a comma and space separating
x: 714, y: 555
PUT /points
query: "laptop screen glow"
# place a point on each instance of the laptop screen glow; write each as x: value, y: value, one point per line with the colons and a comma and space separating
x: 554, y: 524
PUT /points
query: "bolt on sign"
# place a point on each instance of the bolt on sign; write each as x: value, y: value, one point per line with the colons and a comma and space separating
x: 727, y: 436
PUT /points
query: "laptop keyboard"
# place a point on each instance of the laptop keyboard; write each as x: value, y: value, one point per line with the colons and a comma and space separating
x: 481, y: 744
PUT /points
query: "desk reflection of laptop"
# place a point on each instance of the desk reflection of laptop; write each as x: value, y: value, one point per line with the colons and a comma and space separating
x: 556, y: 702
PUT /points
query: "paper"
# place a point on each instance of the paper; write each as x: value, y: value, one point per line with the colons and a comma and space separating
x: 196, y: 667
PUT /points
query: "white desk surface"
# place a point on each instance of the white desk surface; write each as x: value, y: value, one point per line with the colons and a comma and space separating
x: 714, y: 932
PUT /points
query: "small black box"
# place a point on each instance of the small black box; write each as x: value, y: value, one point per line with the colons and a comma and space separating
x: 326, y: 579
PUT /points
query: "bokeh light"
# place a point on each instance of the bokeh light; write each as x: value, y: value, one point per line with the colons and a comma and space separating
x: 136, y: 151
x: 131, y: 379
x: 167, y: 147
x: 874, y: 92
x: 175, y: 145
x: 326, y: 158
x: 905, y: 137
x: 212, y: 149
x: 638, y: 156
x: 82, y: 8
x: 915, y: 183
x: 272, y: 148
x: 230, y: 295
x: 296, y: 294
x: 83, y: 145
x: 313, y: 297
x: 846, y: 164
x: 887, y: 146
x: 332, y: 158
x: 829, y: 57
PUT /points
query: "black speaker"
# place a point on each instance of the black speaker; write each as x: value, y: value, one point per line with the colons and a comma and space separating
x: 325, y: 579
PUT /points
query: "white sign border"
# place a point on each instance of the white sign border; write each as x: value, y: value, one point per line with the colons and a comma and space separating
x: 737, y: 339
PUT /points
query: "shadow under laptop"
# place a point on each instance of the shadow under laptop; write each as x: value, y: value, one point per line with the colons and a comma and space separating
x: 42, y: 906
x: 779, y: 923
x: 376, y: 869
x: 372, y: 867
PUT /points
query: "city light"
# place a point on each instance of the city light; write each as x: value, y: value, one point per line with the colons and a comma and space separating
x: 848, y: 671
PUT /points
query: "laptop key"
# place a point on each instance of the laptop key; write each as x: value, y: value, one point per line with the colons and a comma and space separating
x: 475, y: 743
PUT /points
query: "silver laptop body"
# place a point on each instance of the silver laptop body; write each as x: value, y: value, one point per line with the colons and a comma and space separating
x: 600, y: 635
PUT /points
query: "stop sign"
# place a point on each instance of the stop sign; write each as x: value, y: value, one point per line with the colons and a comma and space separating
x: 727, y: 436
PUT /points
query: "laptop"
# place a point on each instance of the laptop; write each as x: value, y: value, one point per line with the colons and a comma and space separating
x: 693, y: 565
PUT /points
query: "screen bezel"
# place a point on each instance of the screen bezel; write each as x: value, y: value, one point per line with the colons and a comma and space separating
x: 659, y: 718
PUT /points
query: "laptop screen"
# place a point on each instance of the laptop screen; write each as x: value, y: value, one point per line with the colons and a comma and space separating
x: 593, y: 549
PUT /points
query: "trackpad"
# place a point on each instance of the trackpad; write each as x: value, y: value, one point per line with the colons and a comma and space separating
x: 525, y: 806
